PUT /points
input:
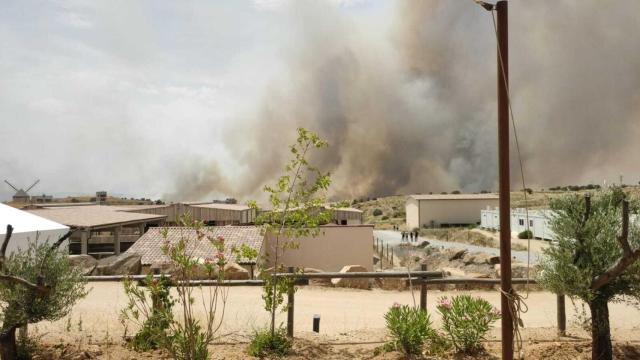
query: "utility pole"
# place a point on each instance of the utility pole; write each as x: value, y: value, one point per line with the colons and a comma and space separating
x: 503, y: 177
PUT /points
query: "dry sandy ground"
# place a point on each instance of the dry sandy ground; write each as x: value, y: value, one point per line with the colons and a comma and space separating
x: 346, y: 314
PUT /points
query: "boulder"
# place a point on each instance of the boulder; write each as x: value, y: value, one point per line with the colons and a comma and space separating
x: 233, y: 271
x: 423, y: 244
x: 86, y: 263
x: 477, y: 258
x: 494, y: 260
x: 162, y: 268
x: 123, y: 264
x: 392, y: 284
x: 519, y: 270
x: 456, y: 254
x: 454, y: 272
x: 318, y: 282
x: 376, y: 259
x: 352, y: 283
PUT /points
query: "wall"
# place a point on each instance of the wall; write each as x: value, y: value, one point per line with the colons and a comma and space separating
x: 411, y: 209
x: 335, y: 247
x: 459, y: 211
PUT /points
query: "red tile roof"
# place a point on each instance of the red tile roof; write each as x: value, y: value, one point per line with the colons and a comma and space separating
x: 149, y: 246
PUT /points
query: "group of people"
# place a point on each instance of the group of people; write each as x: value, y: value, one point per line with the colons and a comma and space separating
x: 410, y: 236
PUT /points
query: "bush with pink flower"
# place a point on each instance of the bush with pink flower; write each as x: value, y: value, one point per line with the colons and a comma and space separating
x: 466, y: 321
x: 409, y: 329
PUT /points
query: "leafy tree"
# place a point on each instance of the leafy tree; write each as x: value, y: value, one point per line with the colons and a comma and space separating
x: 297, y: 210
x: 36, y: 284
x: 593, y: 259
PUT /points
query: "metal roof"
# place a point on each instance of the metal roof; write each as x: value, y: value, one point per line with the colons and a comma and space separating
x: 456, y: 197
x: 222, y: 206
x: 93, y: 216
x: 149, y: 246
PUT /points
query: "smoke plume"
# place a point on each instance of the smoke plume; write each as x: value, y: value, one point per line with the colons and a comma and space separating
x: 420, y: 115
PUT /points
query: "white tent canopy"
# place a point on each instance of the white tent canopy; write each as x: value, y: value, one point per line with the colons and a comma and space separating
x: 27, y: 228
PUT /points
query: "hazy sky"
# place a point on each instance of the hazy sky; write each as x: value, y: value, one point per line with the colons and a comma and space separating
x: 176, y: 99
x: 120, y: 95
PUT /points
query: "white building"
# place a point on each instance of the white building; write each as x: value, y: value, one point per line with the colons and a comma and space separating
x: 538, y: 221
x: 27, y: 228
x: 447, y: 210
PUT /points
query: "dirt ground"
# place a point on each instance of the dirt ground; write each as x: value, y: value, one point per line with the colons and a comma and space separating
x: 352, y: 325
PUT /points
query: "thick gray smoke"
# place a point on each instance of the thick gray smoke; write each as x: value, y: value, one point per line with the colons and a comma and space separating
x: 421, y: 116
x: 405, y: 93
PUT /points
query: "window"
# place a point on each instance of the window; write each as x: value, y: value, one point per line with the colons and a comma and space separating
x: 521, y: 222
x: 531, y: 223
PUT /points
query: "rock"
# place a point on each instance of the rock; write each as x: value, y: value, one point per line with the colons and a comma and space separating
x: 376, y: 259
x: 86, y: 263
x: 317, y: 282
x: 352, y: 283
x: 454, y: 272
x: 162, y: 268
x: 494, y: 260
x: 518, y: 270
x: 423, y: 244
x: 392, y: 284
x: 123, y: 264
x: 233, y: 271
x: 457, y: 254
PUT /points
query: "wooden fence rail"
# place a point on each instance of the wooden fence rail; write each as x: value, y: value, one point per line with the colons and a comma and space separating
x: 422, y: 278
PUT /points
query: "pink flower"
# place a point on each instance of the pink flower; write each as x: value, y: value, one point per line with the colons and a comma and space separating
x: 444, y: 303
x: 396, y: 305
x: 495, y: 311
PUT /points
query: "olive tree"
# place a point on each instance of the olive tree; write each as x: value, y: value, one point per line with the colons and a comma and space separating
x: 36, y: 284
x: 595, y: 257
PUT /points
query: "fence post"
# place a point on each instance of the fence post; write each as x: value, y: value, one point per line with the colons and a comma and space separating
x: 391, y: 257
x: 387, y: 252
x: 290, y: 303
x: 423, y: 290
x: 562, y: 316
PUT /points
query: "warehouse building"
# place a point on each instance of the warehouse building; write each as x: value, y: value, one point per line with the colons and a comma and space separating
x: 211, y: 213
x: 100, y: 230
x: 538, y: 222
x: 447, y: 210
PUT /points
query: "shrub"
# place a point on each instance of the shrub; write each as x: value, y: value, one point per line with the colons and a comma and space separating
x: 384, y: 218
x: 153, y: 322
x: 527, y: 234
x: 377, y: 212
x: 466, y: 320
x: 409, y: 328
x: 44, y: 266
x: 265, y: 344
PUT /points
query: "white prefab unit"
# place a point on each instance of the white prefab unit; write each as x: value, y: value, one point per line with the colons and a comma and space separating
x: 538, y: 221
x: 28, y: 228
x: 447, y: 210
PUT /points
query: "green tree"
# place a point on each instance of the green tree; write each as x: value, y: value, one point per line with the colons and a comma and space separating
x: 594, y: 259
x: 36, y: 284
x: 297, y: 202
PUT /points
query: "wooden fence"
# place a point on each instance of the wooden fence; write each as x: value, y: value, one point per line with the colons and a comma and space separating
x: 421, y: 278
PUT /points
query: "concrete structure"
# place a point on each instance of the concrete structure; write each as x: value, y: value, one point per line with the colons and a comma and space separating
x: 335, y: 247
x: 100, y: 230
x: 28, y: 228
x: 214, y: 214
x: 538, y: 222
x: 42, y: 199
x: 347, y: 216
x: 447, y: 210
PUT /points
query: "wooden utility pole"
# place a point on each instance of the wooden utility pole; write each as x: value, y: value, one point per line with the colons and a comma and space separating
x: 503, y: 178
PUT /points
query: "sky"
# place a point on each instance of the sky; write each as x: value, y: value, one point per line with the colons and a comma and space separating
x: 192, y: 100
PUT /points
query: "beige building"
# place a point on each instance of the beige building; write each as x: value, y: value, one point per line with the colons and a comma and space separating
x: 335, y: 247
x: 447, y: 210
x: 214, y: 214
